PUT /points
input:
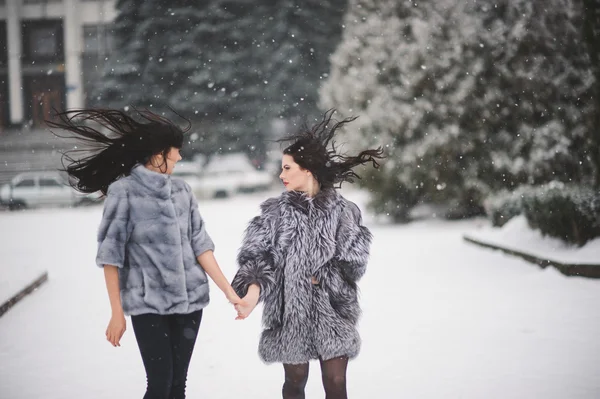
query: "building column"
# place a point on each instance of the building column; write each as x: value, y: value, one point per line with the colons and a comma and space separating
x: 15, y: 74
x: 73, y: 32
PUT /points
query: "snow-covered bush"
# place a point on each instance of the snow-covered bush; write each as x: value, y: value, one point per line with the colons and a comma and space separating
x: 504, y: 205
x: 571, y: 213
x: 568, y: 212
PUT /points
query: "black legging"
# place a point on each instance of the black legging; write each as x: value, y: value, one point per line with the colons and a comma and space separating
x: 333, y: 373
x: 166, y: 344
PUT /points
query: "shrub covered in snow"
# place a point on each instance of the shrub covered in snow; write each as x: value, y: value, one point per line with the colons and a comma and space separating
x: 504, y: 205
x: 571, y: 213
x: 568, y: 212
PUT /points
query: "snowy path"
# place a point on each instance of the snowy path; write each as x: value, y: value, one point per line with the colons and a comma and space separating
x: 442, y: 319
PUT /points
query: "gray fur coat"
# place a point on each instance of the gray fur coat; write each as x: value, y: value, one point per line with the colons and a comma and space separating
x: 297, y: 237
x: 152, y: 231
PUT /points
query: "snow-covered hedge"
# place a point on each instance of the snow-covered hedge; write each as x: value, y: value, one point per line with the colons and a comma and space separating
x: 504, y: 205
x: 571, y: 213
x: 568, y: 212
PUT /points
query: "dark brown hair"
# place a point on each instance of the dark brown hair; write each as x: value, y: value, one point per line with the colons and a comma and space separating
x: 314, y: 149
x: 112, y: 154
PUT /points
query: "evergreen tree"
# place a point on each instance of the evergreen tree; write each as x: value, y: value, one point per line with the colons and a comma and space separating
x: 224, y: 64
x: 301, y: 38
x: 469, y: 97
x: 224, y: 82
x: 401, y: 67
x: 186, y: 56
x: 532, y: 92
x: 126, y: 66
x: 591, y: 33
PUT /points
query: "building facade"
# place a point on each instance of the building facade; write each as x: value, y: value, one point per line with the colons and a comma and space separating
x: 51, y: 51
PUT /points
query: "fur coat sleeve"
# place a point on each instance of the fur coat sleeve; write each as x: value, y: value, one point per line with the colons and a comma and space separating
x: 114, y: 228
x: 200, y: 240
x: 353, y: 241
x: 254, y: 258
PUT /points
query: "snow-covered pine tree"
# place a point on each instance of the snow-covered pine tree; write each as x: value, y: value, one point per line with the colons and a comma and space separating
x: 225, y: 83
x: 126, y: 63
x: 225, y: 64
x: 195, y: 57
x: 302, y: 36
x: 456, y: 90
x: 532, y: 94
x: 591, y: 33
x: 401, y: 68
x: 151, y: 51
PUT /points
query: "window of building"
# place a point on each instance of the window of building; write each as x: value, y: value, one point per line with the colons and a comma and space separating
x: 43, y: 40
x: 97, y: 45
x: 96, y: 40
x: 40, y: 1
x: 91, y: 39
x: 3, y: 43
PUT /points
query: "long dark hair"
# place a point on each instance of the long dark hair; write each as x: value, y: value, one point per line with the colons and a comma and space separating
x: 111, y: 154
x: 314, y: 149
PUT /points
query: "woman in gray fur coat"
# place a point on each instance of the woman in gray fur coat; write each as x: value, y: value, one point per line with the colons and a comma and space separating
x: 302, y: 257
x: 152, y: 242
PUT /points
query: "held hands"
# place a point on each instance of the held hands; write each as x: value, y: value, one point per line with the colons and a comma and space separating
x: 237, y: 302
x: 250, y: 301
x: 247, y: 306
x: 115, y: 330
x: 232, y: 297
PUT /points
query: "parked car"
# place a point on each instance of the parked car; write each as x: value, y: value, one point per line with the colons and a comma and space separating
x: 228, y: 174
x: 37, y: 189
x: 188, y: 171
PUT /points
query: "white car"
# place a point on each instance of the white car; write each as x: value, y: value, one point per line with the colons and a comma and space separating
x: 37, y: 189
x: 188, y: 171
x: 226, y: 175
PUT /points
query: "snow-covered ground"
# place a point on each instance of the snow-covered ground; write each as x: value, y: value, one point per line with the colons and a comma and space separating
x: 442, y: 319
x: 14, y: 278
x: 517, y: 235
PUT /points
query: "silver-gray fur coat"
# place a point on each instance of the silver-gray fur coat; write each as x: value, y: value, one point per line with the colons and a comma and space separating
x: 297, y: 237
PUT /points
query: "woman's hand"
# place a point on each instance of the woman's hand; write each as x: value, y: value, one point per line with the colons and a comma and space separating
x: 246, y: 307
x: 116, y: 325
x: 249, y: 302
x: 232, y: 297
x: 116, y: 328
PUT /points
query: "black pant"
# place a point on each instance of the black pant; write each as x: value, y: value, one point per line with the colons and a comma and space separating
x: 166, y: 343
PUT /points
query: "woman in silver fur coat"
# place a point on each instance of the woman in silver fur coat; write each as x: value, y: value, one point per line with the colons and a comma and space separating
x: 302, y: 257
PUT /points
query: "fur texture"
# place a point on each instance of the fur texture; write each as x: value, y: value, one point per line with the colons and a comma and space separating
x: 152, y: 231
x: 297, y: 237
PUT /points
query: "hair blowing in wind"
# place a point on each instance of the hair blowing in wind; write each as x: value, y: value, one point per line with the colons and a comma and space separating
x: 110, y: 151
x: 314, y: 149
